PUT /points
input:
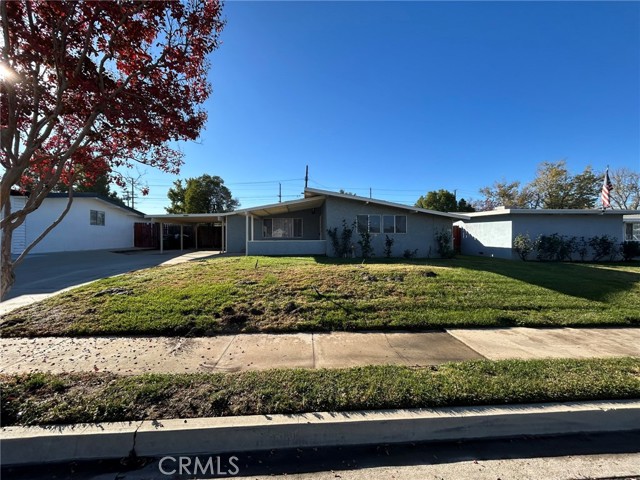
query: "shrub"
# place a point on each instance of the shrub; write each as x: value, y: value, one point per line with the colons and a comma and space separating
x: 388, y: 244
x: 603, y: 247
x: 365, y: 244
x: 555, y: 247
x: 410, y: 253
x: 523, y: 246
x: 630, y: 250
x: 443, y: 241
x: 582, y: 248
x: 341, y: 244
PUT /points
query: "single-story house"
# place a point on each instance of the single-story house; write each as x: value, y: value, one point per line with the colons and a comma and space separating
x: 93, y: 223
x: 492, y: 233
x: 299, y: 227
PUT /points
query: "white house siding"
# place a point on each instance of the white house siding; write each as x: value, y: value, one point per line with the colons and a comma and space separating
x: 75, y: 232
x: 421, y: 227
x: 487, y: 237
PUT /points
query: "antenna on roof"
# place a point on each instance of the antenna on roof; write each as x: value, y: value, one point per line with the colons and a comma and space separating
x: 306, y: 178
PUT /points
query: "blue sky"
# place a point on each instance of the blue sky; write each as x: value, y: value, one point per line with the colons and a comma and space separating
x: 407, y: 97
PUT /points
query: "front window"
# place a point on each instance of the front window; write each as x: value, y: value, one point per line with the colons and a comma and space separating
x: 632, y: 232
x: 282, y: 228
x: 96, y: 217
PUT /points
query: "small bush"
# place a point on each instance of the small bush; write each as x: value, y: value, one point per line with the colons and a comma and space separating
x: 408, y: 254
x: 630, y: 250
x: 341, y: 244
x: 604, y: 247
x: 443, y: 241
x: 555, y: 248
x: 388, y: 244
x: 582, y: 248
x: 523, y: 245
x: 365, y: 244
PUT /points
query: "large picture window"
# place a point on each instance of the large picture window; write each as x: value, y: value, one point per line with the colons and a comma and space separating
x: 96, y: 217
x: 282, y: 228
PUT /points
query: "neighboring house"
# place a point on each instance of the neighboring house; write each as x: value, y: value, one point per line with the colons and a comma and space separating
x: 299, y: 227
x: 492, y: 233
x: 92, y: 223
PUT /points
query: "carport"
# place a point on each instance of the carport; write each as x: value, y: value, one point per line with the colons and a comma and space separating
x: 190, y: 219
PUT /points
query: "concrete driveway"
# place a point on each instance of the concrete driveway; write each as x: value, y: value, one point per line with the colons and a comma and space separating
x: 41, y: 275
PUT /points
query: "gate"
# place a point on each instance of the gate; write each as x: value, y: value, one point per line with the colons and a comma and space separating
x: 146, y: 235
x: 457, y: 239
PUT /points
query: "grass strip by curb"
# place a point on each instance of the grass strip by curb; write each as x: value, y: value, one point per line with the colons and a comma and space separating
x: 40, y: 399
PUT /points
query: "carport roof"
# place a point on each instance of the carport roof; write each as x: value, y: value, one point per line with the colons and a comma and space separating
x: 259, y: 211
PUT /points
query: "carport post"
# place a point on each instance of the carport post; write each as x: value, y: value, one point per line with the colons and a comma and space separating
x: 181, y: 237
x: 224, y: 236
x: 196, y: 229
x: 246, y: 234
x: 161, y: 238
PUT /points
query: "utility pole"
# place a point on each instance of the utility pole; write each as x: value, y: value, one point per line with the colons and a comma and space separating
x: 136, y: 187
x: 370, y: 193
x: 279, y: 193
x: 306, y: 178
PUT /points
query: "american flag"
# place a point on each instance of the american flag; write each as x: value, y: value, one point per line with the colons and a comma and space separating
x: 606, y: 188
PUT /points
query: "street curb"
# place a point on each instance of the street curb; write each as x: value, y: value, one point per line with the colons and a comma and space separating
x: 37, y: 445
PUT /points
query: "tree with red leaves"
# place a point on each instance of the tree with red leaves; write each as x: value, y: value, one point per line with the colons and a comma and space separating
x: 91, y: 86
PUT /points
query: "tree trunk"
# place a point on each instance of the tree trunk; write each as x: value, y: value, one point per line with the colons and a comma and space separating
x: 7, y: 277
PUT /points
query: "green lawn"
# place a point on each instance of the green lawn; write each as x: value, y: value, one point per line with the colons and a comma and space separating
x: 251, y: 294
x: 40, y: 399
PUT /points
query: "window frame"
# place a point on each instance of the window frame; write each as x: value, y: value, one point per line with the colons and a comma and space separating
x: 293, y: 228
x: 383, y: 226
x: 97, y: 218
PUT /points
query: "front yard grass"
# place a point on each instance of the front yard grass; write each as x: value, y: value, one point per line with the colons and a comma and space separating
x: 265, y: 294
x: 40, y: 399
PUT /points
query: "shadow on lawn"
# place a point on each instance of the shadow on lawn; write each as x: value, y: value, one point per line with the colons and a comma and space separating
x: 577, y: 280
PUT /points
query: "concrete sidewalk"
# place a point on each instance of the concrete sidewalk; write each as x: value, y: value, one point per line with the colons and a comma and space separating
x: 232, y: 353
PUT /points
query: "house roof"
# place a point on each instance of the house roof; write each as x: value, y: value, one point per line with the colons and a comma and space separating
x: 312, y: 192
x: 532, y: 211
x: 110, y: 201
x: 314, y: 198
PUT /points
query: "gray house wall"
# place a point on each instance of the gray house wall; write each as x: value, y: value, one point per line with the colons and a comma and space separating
x: 236, y: 233
x: 421, y: 227
x: 493, y: 235
x: 569, y: 225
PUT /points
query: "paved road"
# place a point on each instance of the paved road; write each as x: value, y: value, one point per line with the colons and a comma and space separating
x: 42, y: 275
